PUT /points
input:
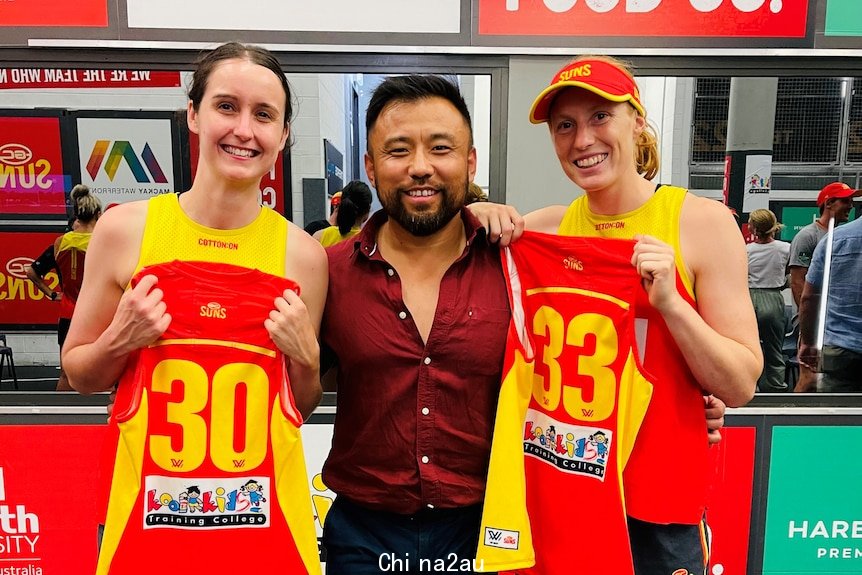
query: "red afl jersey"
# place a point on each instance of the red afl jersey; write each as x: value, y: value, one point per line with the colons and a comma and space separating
x: 572, y: 400
x: 209, y: 474
x: 668, y: 475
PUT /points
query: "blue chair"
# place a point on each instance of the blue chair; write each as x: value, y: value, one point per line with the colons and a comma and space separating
x: 6, y: 352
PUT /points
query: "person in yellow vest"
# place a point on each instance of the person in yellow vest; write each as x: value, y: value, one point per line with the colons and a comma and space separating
x: 66, y: 255
x: 206, y: 307
x: 697, y: 322
x: 353, y: 210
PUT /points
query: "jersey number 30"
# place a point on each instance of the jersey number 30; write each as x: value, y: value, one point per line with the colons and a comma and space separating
x: 188, y: 414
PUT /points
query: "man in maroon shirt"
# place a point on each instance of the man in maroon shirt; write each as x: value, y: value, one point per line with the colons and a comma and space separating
x: 416, y: 316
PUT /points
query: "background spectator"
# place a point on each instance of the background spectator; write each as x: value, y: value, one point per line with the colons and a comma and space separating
x: 841, y: 357
x: 353, y: 210
x: 834, y: 201
x: 767, y: 277
x: 66, y: 255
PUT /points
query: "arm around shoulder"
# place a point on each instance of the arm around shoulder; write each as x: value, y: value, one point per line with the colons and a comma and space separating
x: 546, y: 220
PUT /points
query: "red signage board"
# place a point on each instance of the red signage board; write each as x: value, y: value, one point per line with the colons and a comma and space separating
x: 21, y: 303
x: 729, y: 505
x: 32, y: 179
x: 48, y: 481
x: 20, y: 78
x: 666, y: 18
x: 53, y: 13
x: 271, y: 185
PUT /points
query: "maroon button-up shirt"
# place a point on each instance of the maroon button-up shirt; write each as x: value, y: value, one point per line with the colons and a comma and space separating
x: 414, y: 421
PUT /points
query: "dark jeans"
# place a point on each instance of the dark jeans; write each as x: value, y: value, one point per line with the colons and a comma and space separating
x: 665, y: 549
x: 842, y: 370
x: 361, y: 541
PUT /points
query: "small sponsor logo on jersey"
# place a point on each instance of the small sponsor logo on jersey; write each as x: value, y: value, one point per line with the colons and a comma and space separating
x: 220, y: 244
x: 681, y: 572
x: 206, y: 503
x: 573, y: 263
x: 214, y: 310
x: 177, y: 463
x: 610, y: 226
x: 575, y: 449
x: 501, y: 538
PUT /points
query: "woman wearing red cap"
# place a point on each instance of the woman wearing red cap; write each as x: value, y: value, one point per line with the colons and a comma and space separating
x: 695, y: 315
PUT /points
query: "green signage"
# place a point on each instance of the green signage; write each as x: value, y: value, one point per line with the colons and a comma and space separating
x: 796, y: 218
x: 814, y: 505
x: 843, y: 18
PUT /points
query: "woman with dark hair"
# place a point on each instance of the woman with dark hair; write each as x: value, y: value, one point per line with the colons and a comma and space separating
x: 205, y: 306
x: 353, y: 210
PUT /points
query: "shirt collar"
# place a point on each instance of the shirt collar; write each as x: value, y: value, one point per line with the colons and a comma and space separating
x: 366, y: 241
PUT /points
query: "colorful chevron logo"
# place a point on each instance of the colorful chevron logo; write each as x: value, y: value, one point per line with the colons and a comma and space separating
x: 122, y: 150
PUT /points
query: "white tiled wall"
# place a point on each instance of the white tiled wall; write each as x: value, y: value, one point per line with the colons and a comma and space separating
x: 34, y: 348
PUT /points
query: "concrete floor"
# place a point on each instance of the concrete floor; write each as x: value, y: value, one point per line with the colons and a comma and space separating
x: 32, y: 378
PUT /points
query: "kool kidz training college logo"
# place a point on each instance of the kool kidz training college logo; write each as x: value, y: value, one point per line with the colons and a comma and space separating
x: 757, y: 184
x: 206, y: 503
x: 571, y: 448
x: 21, y: 171
x: 19, y: 537
x: 122, y: 150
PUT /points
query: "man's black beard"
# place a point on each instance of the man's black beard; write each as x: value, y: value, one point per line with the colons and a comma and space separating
x: 424, y: 223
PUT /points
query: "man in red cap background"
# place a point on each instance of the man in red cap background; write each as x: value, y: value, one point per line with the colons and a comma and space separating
x: 835, y: 201
x: 840, y: 359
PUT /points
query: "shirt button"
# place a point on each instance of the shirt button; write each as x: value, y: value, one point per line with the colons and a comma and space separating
x: 430, y: 506
x: 402, y: 314
x: 425, y: 459
x: 425, y: 411
x: 427, y: 360
x: 391, y: 272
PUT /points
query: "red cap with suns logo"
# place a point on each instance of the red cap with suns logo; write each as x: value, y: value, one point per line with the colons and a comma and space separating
x: 597, y: 76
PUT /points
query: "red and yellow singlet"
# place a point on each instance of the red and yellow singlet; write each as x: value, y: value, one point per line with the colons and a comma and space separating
x: 667, y: 478
x: 571, y: 403
x: 209, y: 467
x: 204, y: 467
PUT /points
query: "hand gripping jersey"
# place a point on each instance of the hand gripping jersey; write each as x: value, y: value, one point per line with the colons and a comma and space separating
x: 667, y: 478
x: 570, y: 406
x: 209, y: 475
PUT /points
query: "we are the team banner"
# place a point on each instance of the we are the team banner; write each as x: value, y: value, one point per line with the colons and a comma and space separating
x: 666, y: 18
x: 26, y: 78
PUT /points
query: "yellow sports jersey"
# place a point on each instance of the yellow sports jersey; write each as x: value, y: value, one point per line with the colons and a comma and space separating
x: 204, y: 449
x: 332, y: 235
x: 171, y: 235
x: 570, y: 405
x: 70, y: 253
x: 675, y: 427
x: 210, y: 455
